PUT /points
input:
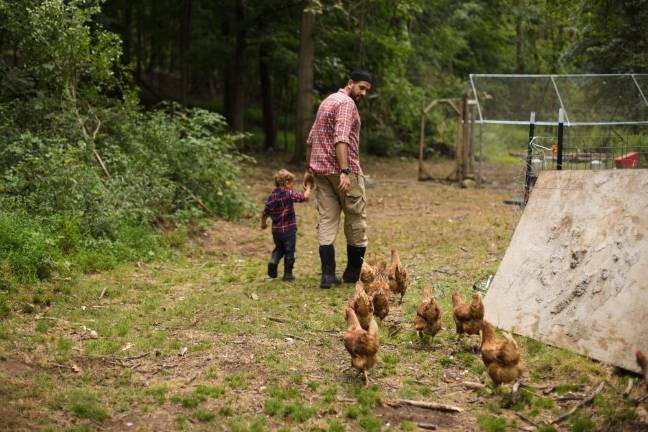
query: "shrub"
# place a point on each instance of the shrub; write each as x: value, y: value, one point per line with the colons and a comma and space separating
x: 85, y: 173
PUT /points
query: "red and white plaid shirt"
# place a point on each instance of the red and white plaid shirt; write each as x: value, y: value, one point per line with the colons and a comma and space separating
x: 337, y: 121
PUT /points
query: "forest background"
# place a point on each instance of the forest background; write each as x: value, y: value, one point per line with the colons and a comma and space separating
x: 122, y: 119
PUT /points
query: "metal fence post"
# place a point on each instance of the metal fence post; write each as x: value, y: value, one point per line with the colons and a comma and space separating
x: 561, y: 120
x: 528, y: 175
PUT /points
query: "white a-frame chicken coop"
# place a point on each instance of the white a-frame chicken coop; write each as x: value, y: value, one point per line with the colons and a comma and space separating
x: 575, y: 274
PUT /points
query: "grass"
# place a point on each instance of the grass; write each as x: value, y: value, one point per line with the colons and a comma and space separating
x: 275, y: 361
x: 489, y: 423
x: 87, y: 405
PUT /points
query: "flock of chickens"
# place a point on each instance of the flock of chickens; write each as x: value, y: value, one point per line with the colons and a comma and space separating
x: 373, y: 294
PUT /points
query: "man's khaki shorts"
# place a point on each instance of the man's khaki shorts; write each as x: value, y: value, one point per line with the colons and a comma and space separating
x: 330, y: 203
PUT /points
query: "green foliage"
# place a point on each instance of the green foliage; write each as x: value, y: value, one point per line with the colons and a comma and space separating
x: 204, y: 416
x: 336, y: 426
x: 367, y: 397
x: 580, y: 423
x: 489, y: 423
x: 85, y: 172
x: 209, y: 391
x: 370, y: 423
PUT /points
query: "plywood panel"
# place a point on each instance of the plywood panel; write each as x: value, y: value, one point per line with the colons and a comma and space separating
x: 576, y: 272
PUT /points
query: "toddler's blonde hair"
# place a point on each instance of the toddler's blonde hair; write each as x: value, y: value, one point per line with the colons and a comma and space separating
x: 283, y: 177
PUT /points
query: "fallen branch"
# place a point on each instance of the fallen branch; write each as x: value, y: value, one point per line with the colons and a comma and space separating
x: 628, y: 388
x: 101, y: 162
x: 62, y: 366
x: 345, y: 399
x: 295, y: 337
x: 613, y: 387
x: 198, y: 200
x: 473, y: 385
x: 103, y: 292
x: 428, y: 426
x: 570, y: 397
x: 163, y: 367
x: 641, y: 399
x: 426, y: 405
x: 279, y: 320
x: 138, y: 356
x: 581, y: 404
x: 526, y: 419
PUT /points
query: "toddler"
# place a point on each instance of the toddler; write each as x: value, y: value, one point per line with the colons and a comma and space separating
x: 279, y: 207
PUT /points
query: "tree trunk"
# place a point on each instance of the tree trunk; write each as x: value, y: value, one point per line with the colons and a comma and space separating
x: 269, y: 122
x: 237, y: 72
x: 138, y: 48
x: 305, y: 85
x: 126, y: 32
x: 227, y: 69
x: 519, y: 45
x: 185, y: 41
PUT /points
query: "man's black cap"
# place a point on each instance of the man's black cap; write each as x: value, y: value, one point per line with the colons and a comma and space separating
x: 360, y: 75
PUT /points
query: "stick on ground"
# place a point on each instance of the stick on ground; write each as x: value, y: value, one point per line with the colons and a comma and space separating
x: 426, y: 405
x: 581, y: 404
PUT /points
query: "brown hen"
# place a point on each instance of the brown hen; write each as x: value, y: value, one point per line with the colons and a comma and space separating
x: 501, y: 356
x: 361, y: 344
x: 428, y: 316
x: 378, y: 291
x: 362, y: 305
x: 368, y: 273
x: 397, y: 275
x: 468, y: 318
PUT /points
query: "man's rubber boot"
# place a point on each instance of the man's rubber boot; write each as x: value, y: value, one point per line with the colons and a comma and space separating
x: 327, y: 257
x: 288, y: 268
x: 355, y: 257
x: 274, y: 262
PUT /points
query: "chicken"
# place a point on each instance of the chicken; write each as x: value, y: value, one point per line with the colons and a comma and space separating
x: 643, y: 364
x: 468, y: 318
x: 362, y: 305
x: 381, y: 303
x: 378, y: 291
x: 428, y: 316
x: 368, y: 273
x: 397, y: 275
x: 501, y: 356
x: 361, y: 344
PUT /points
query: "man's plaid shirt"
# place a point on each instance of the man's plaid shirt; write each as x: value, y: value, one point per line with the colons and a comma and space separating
x: 337, y: 121
x: 279, y: 206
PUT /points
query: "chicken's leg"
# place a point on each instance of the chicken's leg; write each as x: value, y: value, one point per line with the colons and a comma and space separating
x: 366, y: 377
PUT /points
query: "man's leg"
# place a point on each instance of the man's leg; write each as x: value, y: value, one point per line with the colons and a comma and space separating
x: 355, y: 228
x: 329, y: 208
x: 290, y: 242
x: 277, y: 254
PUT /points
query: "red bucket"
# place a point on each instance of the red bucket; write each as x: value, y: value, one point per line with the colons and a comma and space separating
x: 628, y: 160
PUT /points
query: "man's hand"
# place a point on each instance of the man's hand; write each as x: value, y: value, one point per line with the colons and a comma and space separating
x: 264, y: 225
x: 345, y: 183
x: 309, y: 180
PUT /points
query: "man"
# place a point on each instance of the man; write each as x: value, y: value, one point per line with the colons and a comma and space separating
x: 333, y: 164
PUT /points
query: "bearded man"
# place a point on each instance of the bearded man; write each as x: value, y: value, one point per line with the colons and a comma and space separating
x: 333, y: 164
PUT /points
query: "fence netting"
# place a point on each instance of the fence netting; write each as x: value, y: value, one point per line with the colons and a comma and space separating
x: 587, y: 100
